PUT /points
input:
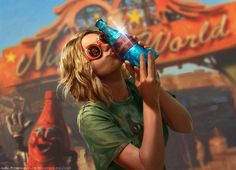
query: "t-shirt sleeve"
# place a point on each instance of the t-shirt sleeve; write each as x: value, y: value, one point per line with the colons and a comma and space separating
x: 102, y: 135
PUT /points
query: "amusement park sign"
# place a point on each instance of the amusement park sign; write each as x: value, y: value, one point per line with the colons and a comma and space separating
x: 166, y: 41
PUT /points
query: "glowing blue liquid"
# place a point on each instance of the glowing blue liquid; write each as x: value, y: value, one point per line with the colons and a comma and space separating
x: 133, y: 55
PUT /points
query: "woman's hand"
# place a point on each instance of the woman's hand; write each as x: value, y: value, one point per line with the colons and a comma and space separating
x: 146, y: 80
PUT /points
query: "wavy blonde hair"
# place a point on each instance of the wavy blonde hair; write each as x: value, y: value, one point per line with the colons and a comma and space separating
x: 77, y: 76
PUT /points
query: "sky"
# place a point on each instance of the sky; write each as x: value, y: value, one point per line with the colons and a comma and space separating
x: 20, y: 19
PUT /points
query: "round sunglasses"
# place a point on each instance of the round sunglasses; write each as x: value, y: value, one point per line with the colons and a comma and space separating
x: 94, y: 51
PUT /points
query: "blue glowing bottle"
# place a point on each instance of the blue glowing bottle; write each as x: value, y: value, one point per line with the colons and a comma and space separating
x: 126, y: 48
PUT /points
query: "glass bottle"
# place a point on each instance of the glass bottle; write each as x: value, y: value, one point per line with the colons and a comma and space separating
x: 126, y: 48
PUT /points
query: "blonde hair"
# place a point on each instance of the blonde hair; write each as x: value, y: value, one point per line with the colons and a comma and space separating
x: 77, y: 76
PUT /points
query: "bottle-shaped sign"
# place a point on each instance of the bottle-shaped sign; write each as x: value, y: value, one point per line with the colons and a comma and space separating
x: 49, y: 140
x: 126, y: 48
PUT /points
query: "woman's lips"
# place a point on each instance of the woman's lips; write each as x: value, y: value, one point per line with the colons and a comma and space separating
x: 112, y: 53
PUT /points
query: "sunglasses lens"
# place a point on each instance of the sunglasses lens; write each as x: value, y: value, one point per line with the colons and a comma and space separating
x: 94, y: 51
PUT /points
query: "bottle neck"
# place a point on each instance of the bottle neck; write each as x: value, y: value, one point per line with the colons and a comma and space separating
x: 111, y: 34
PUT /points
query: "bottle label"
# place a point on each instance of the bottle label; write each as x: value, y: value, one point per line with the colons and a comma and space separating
x: 122, y: 45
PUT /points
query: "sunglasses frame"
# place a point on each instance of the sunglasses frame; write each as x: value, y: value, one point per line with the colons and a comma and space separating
x: 89, y: 57
x: 101, y: 39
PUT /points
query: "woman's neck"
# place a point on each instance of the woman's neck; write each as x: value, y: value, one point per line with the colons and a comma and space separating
x: 117, y: 85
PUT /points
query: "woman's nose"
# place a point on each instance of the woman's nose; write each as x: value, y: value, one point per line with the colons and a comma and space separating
x: 105, y: 47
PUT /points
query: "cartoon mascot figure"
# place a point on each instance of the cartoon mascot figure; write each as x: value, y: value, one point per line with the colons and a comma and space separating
x: 49, y: 144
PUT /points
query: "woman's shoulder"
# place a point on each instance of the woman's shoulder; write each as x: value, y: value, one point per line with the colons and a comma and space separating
x: 92, y: 106
x: 92, y: 114
x: 92, y: 110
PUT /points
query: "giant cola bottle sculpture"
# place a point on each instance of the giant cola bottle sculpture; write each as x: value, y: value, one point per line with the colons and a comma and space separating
x: 49, y: 139
x: 123, y: 46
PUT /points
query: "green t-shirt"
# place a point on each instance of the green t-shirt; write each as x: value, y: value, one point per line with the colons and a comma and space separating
x: 107, y: 130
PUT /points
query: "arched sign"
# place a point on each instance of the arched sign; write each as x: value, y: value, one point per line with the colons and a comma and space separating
x: 177, y: 41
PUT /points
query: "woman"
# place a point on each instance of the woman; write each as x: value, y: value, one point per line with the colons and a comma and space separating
x: 123, y: 120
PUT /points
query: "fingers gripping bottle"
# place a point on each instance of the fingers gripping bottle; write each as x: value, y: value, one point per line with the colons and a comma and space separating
x: 126, y: 48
